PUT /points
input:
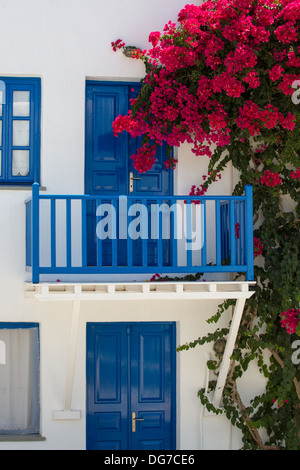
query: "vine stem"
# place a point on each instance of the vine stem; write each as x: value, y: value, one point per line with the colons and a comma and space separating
x: 280, y: 362
x: 242, y: 409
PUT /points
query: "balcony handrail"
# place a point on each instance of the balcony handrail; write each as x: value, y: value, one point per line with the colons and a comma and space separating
x: 131, y: 197
x: 229, y: 211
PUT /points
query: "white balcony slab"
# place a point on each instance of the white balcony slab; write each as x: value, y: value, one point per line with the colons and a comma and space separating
x: 60, y: 291
x: 78, y: 292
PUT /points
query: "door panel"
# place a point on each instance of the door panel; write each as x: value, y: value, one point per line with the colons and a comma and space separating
x: 150, y: 386
x: 107, y: 160
x: 106, y: 388
x: 131, y: 369
x: 106, y: 163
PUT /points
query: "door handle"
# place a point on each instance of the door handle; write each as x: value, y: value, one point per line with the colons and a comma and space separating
x: 133, y: 420
x: 131, y: 178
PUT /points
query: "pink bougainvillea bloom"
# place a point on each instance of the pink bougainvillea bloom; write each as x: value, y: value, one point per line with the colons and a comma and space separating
x: 258, y: 248
x: 276, y: 72
x: 170, y: 163
x: 290, y: 320
x: 270, y: 179
x: 296, y: 174
x: 144, y: 159
x: 227, y: 39
x: 154, y: 38
x: 118, y: 44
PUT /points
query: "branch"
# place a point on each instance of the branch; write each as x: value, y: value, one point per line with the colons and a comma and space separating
x: 244, y: 415
x: 280, y: 362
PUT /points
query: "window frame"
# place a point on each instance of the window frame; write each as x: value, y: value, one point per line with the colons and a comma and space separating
x: 12, y: 84
x: 36, y: 377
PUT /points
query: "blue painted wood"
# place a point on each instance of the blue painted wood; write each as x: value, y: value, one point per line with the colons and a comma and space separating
x: 174, y: 221
x: 28, y: 233
x: 35, y: 233
x: 153, y: 385
x: 249, y: 233
x: 129, y: 244
x: 240, y: 237
x: 189, y: 231
x: 107, y: 409
x: 218, y: 232
x: 204, y: 235
x: 68, y: 233
x: 53, y: 233
x: 83, y: 234
x: 144, y: 235
x: 131, y: 368
x: 115, y: 239
x: 232, y: 233
x: 18, y: 325
x: 142, y: 270
x: 106, y: 163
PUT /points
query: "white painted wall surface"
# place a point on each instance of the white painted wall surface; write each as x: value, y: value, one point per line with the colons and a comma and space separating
x: 65, y: 42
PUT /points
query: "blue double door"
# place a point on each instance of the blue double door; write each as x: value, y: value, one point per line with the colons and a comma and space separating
x: 131, y: 386
x: 109, y: 169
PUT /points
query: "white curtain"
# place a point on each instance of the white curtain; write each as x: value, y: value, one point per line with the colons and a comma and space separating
x: 17, y: 380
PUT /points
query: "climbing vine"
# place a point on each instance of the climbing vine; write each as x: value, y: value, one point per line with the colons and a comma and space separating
x: 225, y: 79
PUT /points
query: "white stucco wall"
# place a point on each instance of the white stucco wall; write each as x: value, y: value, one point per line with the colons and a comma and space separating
x: 66, y: 42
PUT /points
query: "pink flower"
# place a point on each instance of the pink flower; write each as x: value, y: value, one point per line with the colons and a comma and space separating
x: 252, y: 79
x: 286, y: 33
x: 270, y: 179
x: 118, y: 44
x: 288, y: 122
x: 154, y: 38
x: 219, y: 44
x: 128, y: 124
x: 296, y: 174
x: 258, y: 248
x: 158, y: 276
x: 286, y: 83
x: 269, y: 116
x: 293, y: 61
x: 249, y: 117
x: 170, y: 163
x: 280, y: 403
x: 290, y: 320
x: 144, y: 159
x: 276, y: 72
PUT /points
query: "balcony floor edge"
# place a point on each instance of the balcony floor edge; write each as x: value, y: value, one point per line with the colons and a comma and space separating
x: 71, y: 291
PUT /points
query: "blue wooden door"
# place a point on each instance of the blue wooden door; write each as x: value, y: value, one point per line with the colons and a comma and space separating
x: 108, y: 166
x: 131, y: 386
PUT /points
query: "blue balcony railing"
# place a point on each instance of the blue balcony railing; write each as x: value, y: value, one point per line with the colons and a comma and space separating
x: 73, y: 234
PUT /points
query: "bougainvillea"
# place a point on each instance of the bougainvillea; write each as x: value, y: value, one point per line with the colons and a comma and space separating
x: 222, y: 79
x: 219, y: 51
x: 270, y: 179
x: 290, y: 320
x: 258, y: 248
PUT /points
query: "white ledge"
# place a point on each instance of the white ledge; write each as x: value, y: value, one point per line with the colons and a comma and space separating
x: 138, y: 290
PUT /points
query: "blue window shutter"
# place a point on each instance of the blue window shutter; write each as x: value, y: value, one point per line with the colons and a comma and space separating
x: 30, y: 148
